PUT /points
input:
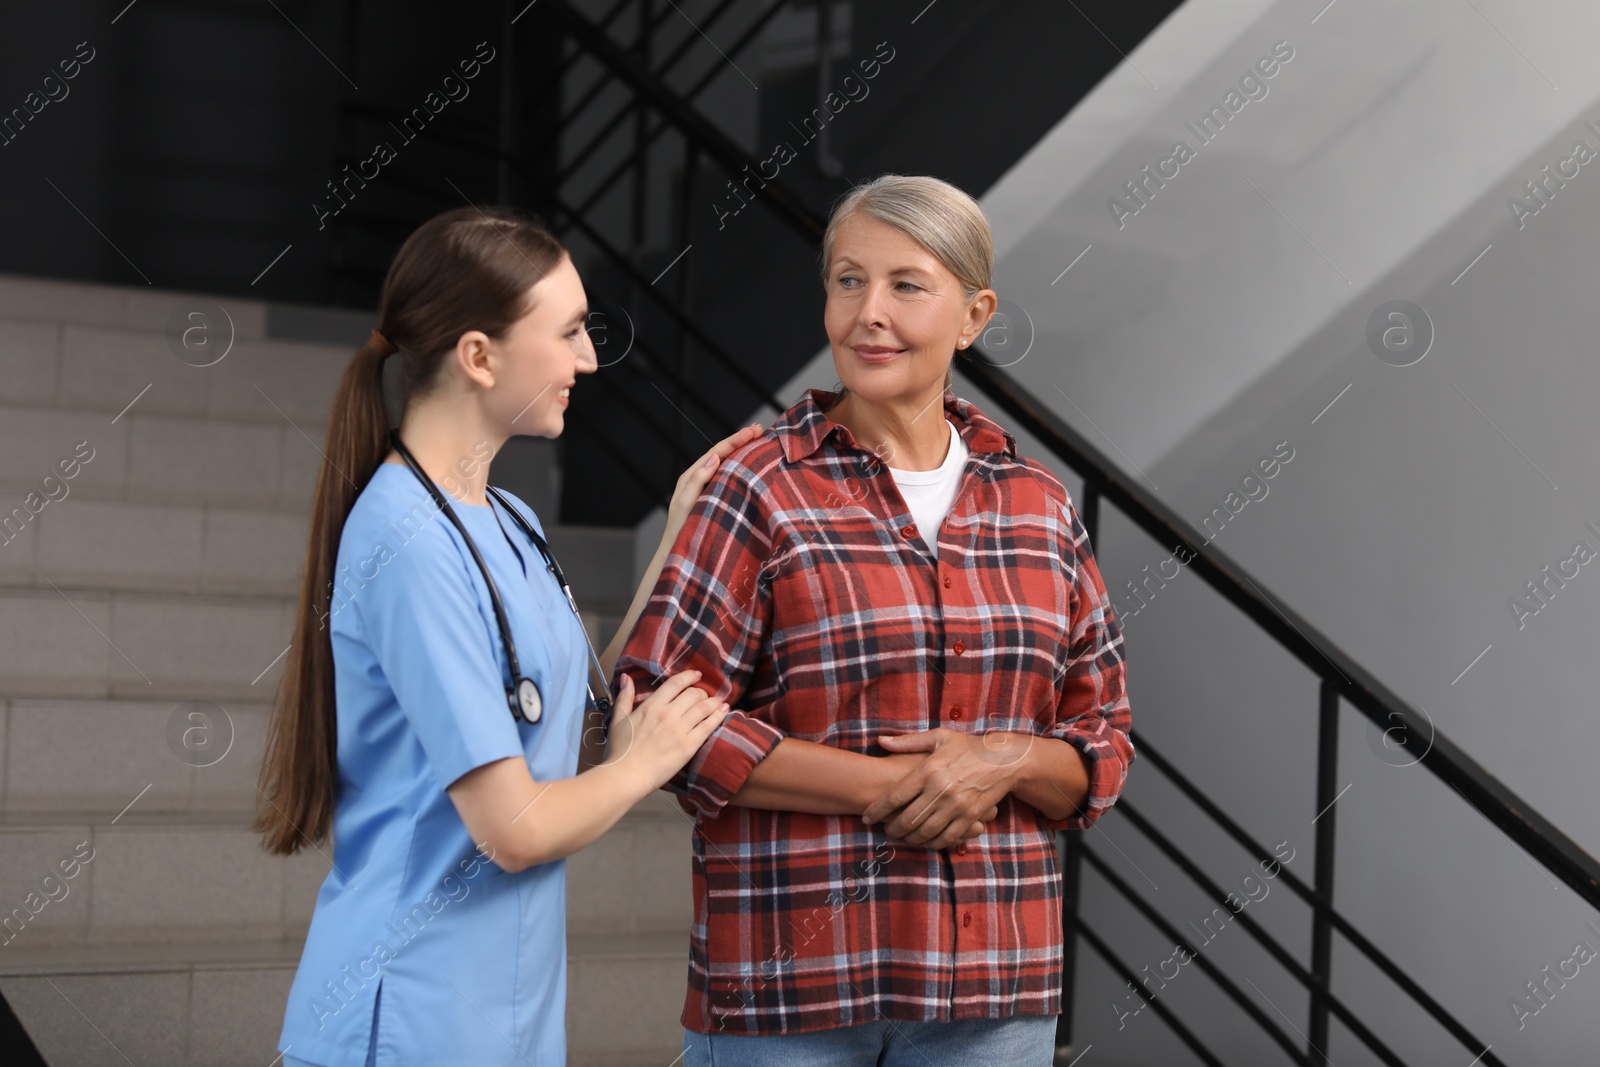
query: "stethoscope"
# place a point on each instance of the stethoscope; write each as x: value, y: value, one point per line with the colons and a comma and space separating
x: 523, y: 697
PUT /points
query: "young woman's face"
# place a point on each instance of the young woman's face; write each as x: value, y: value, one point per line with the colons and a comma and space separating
x: 894, y: 314
x: 543, y: 353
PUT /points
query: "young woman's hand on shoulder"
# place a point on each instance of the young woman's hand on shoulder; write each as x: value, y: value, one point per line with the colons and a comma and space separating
x: 691, y: 483
x: 695, y: 479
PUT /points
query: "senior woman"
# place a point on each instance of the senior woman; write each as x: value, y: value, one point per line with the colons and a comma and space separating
x: 930, y: 683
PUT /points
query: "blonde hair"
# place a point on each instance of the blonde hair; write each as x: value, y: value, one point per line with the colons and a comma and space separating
x: 933, y: 213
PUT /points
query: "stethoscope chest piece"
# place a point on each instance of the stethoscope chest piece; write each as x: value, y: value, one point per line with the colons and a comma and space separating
x: 522, y: 697
x: 528, y: 700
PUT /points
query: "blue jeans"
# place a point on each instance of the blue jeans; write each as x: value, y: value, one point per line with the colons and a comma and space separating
x: 1020, y: 1041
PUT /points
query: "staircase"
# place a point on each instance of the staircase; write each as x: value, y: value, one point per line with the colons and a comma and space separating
x: 153, y: 593
x: 1402, y: 932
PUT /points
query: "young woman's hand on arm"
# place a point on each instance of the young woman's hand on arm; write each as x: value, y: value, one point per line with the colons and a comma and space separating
x: 684, y: 495
x: 520, y: 822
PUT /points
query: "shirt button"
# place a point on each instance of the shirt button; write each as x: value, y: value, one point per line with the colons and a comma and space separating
x: 966, y: 918
x: 959, y: 647
x: 908, y: 531
x: 962, y: 851
x: 947, y: 581
x: 955, y: 712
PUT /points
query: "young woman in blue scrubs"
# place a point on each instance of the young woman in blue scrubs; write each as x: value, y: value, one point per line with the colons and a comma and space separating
x: 439, y: 935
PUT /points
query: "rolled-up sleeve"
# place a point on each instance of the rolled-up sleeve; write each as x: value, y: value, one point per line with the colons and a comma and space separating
x: 711, y: 611
x: 1092, y: 714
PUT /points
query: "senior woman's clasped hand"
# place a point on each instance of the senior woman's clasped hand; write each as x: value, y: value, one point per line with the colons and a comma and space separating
x: 951, y: 793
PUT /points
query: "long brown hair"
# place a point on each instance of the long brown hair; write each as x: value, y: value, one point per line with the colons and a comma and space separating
x: 468, y: 269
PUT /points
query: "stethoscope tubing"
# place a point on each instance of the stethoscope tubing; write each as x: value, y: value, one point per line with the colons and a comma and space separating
x: 517, y: 696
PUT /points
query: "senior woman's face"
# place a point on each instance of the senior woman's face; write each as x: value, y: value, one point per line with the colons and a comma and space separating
x: 894, y: 313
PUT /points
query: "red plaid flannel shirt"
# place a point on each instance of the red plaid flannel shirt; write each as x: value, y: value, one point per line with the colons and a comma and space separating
x: 801, y: 589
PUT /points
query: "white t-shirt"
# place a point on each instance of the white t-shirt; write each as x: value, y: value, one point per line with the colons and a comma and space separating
x: 930, y: 494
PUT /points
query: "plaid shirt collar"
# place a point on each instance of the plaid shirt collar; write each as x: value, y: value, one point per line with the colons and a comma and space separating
x: 802, y: 429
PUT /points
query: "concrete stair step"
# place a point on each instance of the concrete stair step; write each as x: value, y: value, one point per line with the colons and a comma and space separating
x: 129, y: 874
x: 86, y: 348
x: 82, y: 643
x: 66, y: 642
x: 636, y: 878
x: 49, y: 456
x: 157, y: 582
x: 625, y: 999
x: 198, y: 548
x: 214, y: 1005
x: 147, y: 878
x: 239, y: 546
x: 222, y: 1004
x: 136, y: 308
x: 88, y: 759
x: 170, y: 548
x: 22, y: 961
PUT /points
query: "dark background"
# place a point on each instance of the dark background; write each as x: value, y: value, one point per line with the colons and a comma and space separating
x: 197, y: 141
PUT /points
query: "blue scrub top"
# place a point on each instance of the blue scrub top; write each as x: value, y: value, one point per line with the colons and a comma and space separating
x: 470, y: 960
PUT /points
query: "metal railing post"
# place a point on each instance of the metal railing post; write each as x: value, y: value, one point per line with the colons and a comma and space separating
x: 1071, y: 890
x: 641, y: 123
x: 1321, y: 919
x: 684, y: 368
x: 1072, y: 845
x: 1341, y: 677
x: 506, y: 108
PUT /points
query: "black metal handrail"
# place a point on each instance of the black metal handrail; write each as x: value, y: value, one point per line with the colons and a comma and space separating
x: 1492, y: 799
x: 1342, y: 679
x: 1317, y: 983
x: 613, y: 254
x: 707, y: 138
x: 596, y: 139
x: 1164, y: 1013
x: 632, y: 160
x: 1200, y: 959
x: 1316, y: 897
x: 631, y: 66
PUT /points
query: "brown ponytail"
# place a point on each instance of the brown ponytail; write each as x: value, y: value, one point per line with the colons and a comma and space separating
x: 469, y: 269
